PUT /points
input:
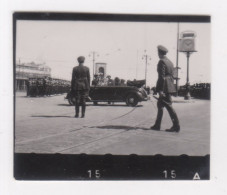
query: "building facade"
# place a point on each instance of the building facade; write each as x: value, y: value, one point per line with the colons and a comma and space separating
x: 100, y: 68
x: 24, y: 71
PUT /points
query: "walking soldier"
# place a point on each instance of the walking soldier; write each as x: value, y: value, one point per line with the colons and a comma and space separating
x: 165, y: 87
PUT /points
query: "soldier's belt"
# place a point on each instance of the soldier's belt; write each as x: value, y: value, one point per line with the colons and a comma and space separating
x: 81, y: 79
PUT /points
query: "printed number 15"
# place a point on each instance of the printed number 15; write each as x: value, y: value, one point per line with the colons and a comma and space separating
x: 172, y: 174
x: 95, y: 173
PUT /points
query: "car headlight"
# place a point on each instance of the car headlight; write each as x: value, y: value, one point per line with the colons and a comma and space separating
x: 140, y: 93
x: 143, y: 91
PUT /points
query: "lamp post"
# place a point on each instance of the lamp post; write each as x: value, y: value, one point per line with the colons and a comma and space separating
x: 187, y: 95
x: 187, y: 46
x: 146, y: 57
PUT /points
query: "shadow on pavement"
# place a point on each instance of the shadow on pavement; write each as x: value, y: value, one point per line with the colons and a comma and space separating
x: 120, y: 127
x: 102, y: 105
x: 64, y: 105
x: 114, y: 105
x: 48, y: 116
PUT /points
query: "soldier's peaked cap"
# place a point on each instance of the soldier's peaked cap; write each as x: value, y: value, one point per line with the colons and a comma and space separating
x: 162, y: 49
x: 81, y: 59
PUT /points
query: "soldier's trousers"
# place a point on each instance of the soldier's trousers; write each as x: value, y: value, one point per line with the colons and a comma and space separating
x: 81, y: 96
x: 166, y: 101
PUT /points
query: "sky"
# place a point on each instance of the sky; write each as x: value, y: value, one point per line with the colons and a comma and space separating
x: 121, y: 45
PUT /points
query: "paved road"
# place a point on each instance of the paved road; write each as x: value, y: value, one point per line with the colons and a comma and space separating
x: 47, y: 125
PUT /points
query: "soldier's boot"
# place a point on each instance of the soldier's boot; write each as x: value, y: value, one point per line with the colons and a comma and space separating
x: 157, y: 125
x: 83, y: 111
x: 77, y: 109
x: 175, y: 121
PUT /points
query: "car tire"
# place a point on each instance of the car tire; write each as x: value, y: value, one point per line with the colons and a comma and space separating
x: 71, y: 100
x: 131, y: 100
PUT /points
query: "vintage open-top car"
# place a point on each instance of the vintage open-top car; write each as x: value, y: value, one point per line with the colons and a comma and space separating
x: 131, y: 95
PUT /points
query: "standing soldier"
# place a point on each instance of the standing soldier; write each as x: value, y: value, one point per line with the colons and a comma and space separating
x: 80, y: 85
x: 165, y: 87
x: 48, y: 89
x: 28, y: 87
x: 95, y: 80
x: 36, y: 88
x: 44, y: 88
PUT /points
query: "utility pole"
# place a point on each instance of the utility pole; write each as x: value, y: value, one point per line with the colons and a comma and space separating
x: 146, y: 57
x: 137, y: 52
x: 93, y: 54
x: 177, y: 58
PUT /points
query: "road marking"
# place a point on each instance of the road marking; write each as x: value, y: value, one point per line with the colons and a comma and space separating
x: 74, y: 130
x: 96, y: 140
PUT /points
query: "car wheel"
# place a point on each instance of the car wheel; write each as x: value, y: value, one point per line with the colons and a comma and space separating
x: 131, y: 100
x: 72, y: 100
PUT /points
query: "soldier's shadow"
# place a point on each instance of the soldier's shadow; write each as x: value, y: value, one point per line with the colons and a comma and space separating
x: 112, y: 105
x: 51, y: 116
x: 103, y: 105
x: 64, y: 105
x: 120, y: 127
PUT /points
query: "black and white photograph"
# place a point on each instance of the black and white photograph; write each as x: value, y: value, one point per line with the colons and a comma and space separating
x: 131, y: 89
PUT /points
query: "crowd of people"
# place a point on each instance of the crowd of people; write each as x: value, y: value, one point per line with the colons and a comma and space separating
x: 100, y: 80
x: 38, y: 87
x: 198, y: 90
x: 201, y: 90
x: 47, y: 86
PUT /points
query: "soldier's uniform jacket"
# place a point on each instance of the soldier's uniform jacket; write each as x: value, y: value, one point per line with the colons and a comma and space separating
x: 165, y: 81
x: 80, y: 78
